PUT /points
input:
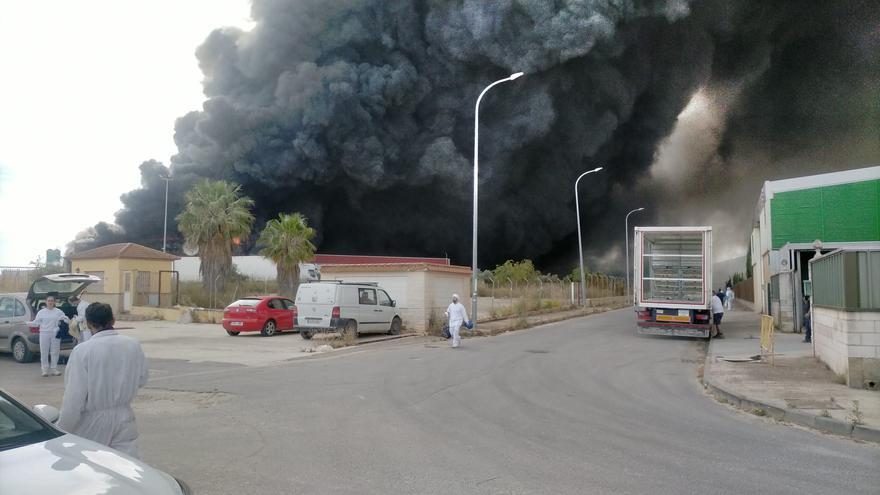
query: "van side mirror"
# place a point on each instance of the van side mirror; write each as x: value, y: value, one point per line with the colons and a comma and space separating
x: 393, y: 303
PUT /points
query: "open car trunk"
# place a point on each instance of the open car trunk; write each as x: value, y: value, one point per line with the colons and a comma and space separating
x: 59, y: 285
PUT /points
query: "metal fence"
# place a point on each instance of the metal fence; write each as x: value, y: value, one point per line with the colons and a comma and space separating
x: 847, y: 279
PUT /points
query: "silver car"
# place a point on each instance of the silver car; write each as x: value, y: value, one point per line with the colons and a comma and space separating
x: 16, y: 309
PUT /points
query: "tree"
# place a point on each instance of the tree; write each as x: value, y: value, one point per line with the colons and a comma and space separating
x: 215, y: 216
x: 517, y: 272
x: 287, y: 240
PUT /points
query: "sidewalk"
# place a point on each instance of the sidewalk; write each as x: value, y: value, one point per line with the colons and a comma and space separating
x: 798, y: 388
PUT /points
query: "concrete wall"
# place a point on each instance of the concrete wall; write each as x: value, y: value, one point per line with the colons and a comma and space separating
x: 849, y: 343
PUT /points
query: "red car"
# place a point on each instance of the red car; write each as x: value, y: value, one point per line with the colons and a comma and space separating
x: 267, y: 315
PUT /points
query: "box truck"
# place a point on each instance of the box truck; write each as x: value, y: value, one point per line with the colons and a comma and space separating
x: 672, y: 280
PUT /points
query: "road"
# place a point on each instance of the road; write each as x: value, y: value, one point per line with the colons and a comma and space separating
x: 582, y: 406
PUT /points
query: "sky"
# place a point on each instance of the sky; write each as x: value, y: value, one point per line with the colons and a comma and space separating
x: 90, y: 89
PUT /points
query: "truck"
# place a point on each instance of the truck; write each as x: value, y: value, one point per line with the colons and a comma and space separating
x: 672, y: 281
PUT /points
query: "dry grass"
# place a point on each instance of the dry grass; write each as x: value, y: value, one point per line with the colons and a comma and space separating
x: 194, y: 294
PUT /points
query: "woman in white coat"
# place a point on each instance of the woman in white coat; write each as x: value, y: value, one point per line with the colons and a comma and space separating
x: 101, y: 380
x: 47, y: 320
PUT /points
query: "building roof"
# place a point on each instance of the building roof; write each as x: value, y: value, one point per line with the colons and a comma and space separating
x: 394, y: 267
x: 823, y: 180
x: 345, y: 259
x: 126, y: 250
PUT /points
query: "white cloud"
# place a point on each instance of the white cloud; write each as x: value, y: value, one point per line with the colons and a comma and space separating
x: 90, y: 89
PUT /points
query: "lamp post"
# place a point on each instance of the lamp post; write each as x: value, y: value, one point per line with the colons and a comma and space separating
x: 577, y: 207
x: 476, y: 176
x: 626, y: 227
x: 167, y: 179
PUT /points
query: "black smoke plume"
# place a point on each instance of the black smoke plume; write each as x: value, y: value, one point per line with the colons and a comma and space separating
x: 359, y: 114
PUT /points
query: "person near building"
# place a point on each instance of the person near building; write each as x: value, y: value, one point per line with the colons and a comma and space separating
x: 48, y: 320
x: 457, y: 315
x: 808, y: 320
x: 717, y: 314
x: 80, y: 320
x: 101, y: 381
x: 728, y: 298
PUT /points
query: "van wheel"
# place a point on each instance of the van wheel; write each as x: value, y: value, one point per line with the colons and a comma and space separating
x: 20, y: 351
x: 269, y: 329
x: 231, y: 333
x: 395, y: 326
x: 306, y: 335
x: 351, y: 328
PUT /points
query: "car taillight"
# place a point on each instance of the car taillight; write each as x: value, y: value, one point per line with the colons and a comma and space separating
x: 295, y: 312
x: 34, y: 329
x: 335, y: 313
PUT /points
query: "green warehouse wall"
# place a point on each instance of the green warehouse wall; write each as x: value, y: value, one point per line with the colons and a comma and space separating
x: 842, y: 213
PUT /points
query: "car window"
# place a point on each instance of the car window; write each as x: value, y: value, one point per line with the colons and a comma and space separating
x: 19, y: 428
x: 289, y: 304
x: 384, y: 300
x: 6, y: 307
x: 367, y: 296
x: 245, y: 302
x: 276, y: 304
x: 20, y: 310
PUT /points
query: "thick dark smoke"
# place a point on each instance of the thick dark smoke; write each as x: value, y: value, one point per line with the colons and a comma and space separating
x: 359, y: 114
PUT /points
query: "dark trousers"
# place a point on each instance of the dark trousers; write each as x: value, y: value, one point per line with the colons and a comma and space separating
x: 808, y: 329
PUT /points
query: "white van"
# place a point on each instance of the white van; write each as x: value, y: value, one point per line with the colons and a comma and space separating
x: 353, y: 308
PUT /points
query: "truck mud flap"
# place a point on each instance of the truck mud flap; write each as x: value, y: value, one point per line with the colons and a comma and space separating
x: 674, y: 331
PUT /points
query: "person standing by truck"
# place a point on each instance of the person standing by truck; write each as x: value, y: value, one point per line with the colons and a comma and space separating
x: 728, y: 299
x: 717, y: 314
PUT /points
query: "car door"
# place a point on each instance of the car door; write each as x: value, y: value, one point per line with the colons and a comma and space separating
x: 7, y: 311
x: 370, y: 313
x: 289, y: 312
x: 387, y: 308
x: 277, y: 312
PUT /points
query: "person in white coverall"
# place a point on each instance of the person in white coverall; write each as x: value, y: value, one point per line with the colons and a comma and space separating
x: 457, y: 316
x: 80, y: 320
x: 47, y: 320
x: 101, y: 380
x: 728, y: 299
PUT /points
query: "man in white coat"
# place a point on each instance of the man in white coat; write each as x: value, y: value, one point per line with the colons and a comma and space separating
x: 47, y: 320
x: 80, y: 320
x: 457, y: 316
x: 728, y: 299
x: 101, y: 380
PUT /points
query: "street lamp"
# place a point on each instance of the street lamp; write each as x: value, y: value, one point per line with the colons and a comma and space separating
x: 577, y: 207
x: 476, y: 175
x: 626, y: 227
x: 167, y: 179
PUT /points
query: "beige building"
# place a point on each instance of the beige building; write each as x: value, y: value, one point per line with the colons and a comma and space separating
x: 132, y: 275
x: 418, y: 288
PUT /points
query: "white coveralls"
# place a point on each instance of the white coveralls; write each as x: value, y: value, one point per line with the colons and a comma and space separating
x: 48, y: 319
x: 84, y: 332
x: 728, y: 299
x: 457, y: 316
x: 102, y: 378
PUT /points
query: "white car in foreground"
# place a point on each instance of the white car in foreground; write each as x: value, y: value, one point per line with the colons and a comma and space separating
x: 38, y: 458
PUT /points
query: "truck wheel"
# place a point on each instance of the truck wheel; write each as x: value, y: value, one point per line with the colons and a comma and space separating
x: 269, y: 329
x: 395, y: 326
x: 20, y: 351
x: 351, y: 328
x: 306, y: 335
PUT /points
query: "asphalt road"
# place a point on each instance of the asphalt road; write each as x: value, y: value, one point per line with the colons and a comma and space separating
x: 582, y: 406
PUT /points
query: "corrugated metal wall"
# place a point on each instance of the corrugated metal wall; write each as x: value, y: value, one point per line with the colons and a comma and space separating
x: 847, y: 280
x: 842, y: 213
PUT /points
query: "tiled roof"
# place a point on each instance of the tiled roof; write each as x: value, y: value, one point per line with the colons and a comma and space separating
x: 127, y: 250
x: 395, y: 267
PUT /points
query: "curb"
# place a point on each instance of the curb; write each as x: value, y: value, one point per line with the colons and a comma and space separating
x: 813, y: 421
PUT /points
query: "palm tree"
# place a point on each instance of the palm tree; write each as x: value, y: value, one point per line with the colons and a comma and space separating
x: 216, y: 214
x: 287, y: 240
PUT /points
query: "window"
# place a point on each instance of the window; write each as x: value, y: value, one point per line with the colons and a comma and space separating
x: 6, y: 307
x: 289, y: 304
x: 367, y: 296
x: 384, y: 300
x: 19, y: 308
x: 276, y: 304
x: 97, y: 286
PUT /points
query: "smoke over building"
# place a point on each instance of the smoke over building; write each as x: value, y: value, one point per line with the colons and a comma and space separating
x: 359, y: 114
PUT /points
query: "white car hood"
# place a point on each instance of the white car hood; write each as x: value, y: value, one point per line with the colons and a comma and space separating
x: 73, y: 465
